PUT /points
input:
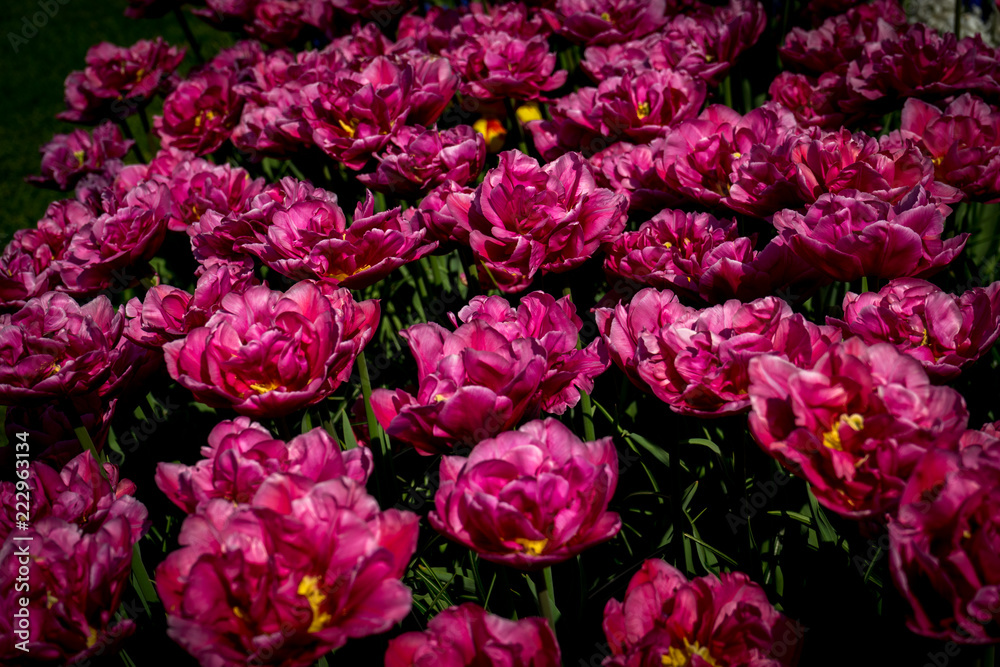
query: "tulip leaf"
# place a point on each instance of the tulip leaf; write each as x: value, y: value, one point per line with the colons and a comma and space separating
x: 823, y: 525
x: 661, y: 456
x: 705, y: 443
x: 349, y: 441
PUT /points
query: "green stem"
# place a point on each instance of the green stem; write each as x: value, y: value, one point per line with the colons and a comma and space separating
x: 145, y: 586
x: 864, y: 284
x: 588, y: 416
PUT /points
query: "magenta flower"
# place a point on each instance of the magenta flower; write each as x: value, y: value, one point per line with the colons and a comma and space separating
x: 497, y: 368
x: 444, y: 213
x: 118, y: 80
x: 854, y: 424
x: 842, y: 38
x: 198, y: 186
x: 622, y: 327
x: 529, y: 498
x: 200, y: 113
x: 665, y: 619
x: 53, y: 347
x: 942, y: 331
x: 962, y: 140
x: 703, y: 44
x: 241, y: 454
x: 698, y: 157
x: 631, y: 170
x: 837, y: 161
x: 168, y: 313
x: 814, y: 102
x: 290, y: 577
x: 68, y: 157
x: 673, y: 250
x: 610, y: 21
x: 467, y: 635
x: 352, y: 115
x: 641, y: 106
x: 944, y: 544
x: 418, y: 159
x: 83, y: 527
x: 502, y: 54
x: 920, y: 62
x: 697, y: 364
x: 267, y: 353
x: 311, y: 240
x: 575, y: 126
x: 101, y: 252
x: 526, y: 218
x: 854, y: 234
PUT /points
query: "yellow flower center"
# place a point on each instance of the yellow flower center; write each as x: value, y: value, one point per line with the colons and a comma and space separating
x: 925, y: 341
x: 676, y: 657
x: 532, y: 547
x: 264, y: 387
x: 831, y: 438
x: 309, y: 589
x: 351, y: 128
x: 642, y: 110
x: 440, y: 397
x: 91, y: 637
x: 340, y: 275
x: 79, y: 157
x: 605, y: 16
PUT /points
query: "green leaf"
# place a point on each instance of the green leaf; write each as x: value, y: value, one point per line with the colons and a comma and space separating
x: 660, y: 455
x: 705, y: 443
x: 823, y: 525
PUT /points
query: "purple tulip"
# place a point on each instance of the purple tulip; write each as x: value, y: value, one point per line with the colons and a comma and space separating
x: 292, y: 576
x: 241, y: 454
x: 267, y: 353
x: 467, y: 635
x: 665, y: 619
x: 853, y: 424
x: 526, y: 218
x: 641, y: 106
x: 502, y: 54
x: 118, y: 80
x: 68, y: 157
x: 942, y: 331
x: 353, y: 114
x: 944, y: 544
x: 593, y: 22
x: 418, y: 159
x: 498, y: 367
x: 200, y: 113
x: 168, y: 313
x: 53, y: 347
x: 83, y: 528
x: 101, y: 252
x: 529, y: 498
x: 697, y: 364
x: 444, y: 213
x: 962, y: 140
x: 311, y: 240
x: 854, y: 234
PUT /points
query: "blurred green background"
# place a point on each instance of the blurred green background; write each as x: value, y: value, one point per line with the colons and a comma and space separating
x: 32, y: 83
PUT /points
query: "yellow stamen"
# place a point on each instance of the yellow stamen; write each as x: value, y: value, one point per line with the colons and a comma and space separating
x: 677, y: 657
x: 309, y: 589
x: 642, y: 110
x: 532, y: 547
x: 605, y: 16
x: 79, y: 157
x: 340, y: 275
x: 831, y: 438
x: 264, y: 387
x: 91, y: 637
x: 349, y: 129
